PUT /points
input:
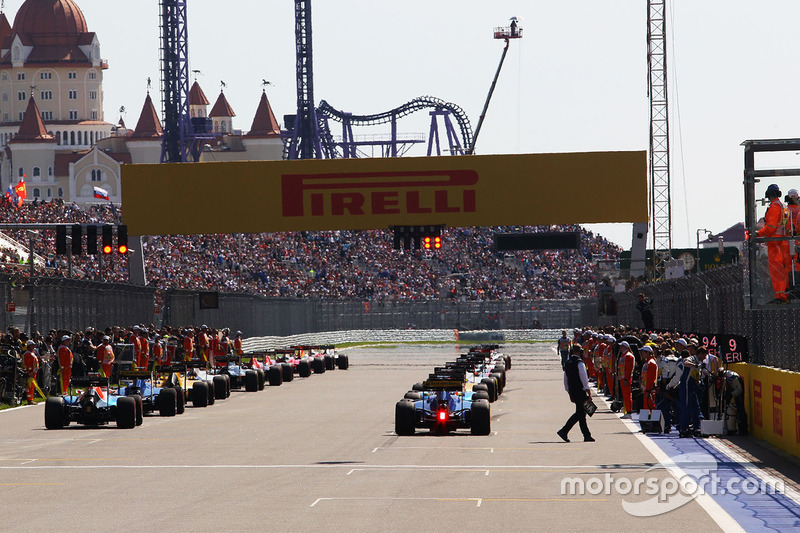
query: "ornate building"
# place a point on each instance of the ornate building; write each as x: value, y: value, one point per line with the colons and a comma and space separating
x: 52, y: 127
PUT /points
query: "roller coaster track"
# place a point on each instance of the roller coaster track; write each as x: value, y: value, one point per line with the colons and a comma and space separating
x: 417, y: 104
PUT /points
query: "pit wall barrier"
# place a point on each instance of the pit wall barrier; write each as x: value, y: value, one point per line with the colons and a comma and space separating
x: 773, y: 403
x: 467, y: 338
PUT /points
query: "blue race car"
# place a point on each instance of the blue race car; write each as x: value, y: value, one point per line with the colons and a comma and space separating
x: 152, y: 393
x: 91, y: 402
x: 444, y: 404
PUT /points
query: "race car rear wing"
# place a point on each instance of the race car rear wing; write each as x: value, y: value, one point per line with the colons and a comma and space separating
x: 443, y: 384
x: 135, y: 374
x: 92, y: 379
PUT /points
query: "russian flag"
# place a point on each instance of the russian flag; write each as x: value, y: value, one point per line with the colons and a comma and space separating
x: 101, y: 194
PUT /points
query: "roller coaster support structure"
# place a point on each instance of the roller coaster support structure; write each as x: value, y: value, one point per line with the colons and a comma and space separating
x: 452, y: 137
x: 395, y: 146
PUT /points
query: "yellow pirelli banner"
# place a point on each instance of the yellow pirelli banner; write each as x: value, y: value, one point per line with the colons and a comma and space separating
x: 489, y: 190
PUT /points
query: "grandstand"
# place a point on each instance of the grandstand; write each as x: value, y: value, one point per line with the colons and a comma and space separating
x: 329, y: 264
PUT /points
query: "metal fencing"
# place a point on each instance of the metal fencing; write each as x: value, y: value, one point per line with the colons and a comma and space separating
x: 714, y: 302
x: 274, y: 316
x: 41, y: 304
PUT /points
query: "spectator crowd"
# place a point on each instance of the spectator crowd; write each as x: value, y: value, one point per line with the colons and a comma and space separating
x: 325, y: 264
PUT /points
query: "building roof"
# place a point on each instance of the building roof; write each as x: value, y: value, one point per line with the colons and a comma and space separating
x: 264, y: 122
x: 50, y: 21
x: 55, y: 29
x: 149, y: 126
x: 5, y: 27
x: 221, y: 107
x: 62, y: 161
x: 32, y: 128
x: 197, y: 96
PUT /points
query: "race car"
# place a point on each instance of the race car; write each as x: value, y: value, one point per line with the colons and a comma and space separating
x: 273, y: 373
x: 241, y: 377
x: 199, y: 386
x: 155, y: 392
x: 292, y: 362
x: 90, y: 402
x: 323, y: 357
x: 484, y: 371
x: 443, y: 405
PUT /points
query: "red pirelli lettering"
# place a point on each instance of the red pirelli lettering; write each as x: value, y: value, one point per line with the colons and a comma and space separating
x: 379, y: 193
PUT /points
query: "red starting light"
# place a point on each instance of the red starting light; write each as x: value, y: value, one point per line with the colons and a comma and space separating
x: 426, y: 243
x: 437, y: 242
x: 107, y: 249
x: 123, y: 249
x: 442, y: 416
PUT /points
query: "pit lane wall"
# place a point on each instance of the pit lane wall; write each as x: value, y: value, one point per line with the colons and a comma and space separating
x: 773, y: 405
x: 468, y: 338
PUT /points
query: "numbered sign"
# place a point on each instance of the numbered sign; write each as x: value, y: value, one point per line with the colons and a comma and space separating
x: 729, y: 348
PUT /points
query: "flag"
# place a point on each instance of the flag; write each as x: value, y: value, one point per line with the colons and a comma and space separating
x: 101, y: 193
x: 21, y: 190
x: 9, y: 193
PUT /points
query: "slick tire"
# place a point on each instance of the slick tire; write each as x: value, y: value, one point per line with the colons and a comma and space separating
x: 318, y: 365
x: 126, y: 413
x: 139, y: 409
x: 180, y: 405
x: 304, y: 368
x: 220, y: 387
x: 480, y: 418
x: 200, y: 394
x: 167, y: 402
x: 275, y: 376
x: 261, y: 379
x: 481, y: 395
x: 405, y: 418
x: 343, y: 362
x: 251, y: 381
x: 413, y: 395
x: 54, y: 412
x: 418, y: 386
x: 330, y: 364
x: 212, y: 392
x: 288, y: 372
x: 491, y: 388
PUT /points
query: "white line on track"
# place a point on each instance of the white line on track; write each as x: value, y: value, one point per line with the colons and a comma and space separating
x: 479, y: 468
x: 711, y: 507
x: 491, y: 450
x: 478, y: 501
x: 17, y: 408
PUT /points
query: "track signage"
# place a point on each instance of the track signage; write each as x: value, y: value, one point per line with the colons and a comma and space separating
x: 459, y: 191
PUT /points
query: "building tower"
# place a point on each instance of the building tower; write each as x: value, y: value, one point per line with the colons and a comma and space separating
x: 49, y: 54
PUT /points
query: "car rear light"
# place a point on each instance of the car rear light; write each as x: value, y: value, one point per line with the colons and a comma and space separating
x: 442, y: 416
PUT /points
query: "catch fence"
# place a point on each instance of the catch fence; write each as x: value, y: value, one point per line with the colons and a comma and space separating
x: 714, y: 302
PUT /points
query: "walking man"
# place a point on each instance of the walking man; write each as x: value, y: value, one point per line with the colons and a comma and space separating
x: 563, y: 347
x: 576, y: 383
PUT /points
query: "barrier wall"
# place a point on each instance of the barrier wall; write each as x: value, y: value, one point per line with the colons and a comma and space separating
x: 773, y: 403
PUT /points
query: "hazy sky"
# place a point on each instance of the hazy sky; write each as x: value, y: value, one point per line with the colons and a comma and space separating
x: 575, y: 82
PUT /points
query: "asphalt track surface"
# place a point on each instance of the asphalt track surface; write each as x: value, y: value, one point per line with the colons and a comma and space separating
x: 320, y: 454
